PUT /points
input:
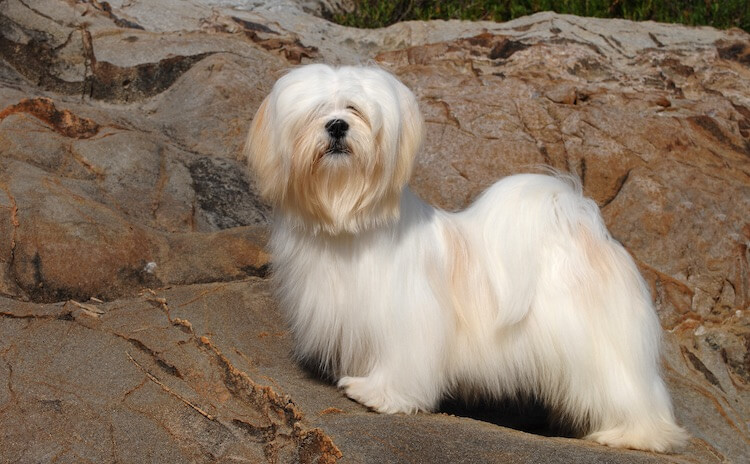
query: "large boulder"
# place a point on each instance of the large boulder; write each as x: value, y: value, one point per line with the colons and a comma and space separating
x: 137, y: 323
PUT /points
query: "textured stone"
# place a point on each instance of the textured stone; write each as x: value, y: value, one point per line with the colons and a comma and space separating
x: 137, y: 323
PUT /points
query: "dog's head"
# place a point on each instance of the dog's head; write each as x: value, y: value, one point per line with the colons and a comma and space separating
x: 334, y: 147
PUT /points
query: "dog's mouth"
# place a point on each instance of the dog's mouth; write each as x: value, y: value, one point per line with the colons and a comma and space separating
x: 337, y: 148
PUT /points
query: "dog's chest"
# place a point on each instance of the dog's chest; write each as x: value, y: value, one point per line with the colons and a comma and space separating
x: 335, y: 287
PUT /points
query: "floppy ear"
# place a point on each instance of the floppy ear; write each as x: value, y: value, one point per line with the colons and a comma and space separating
x: 411, y: 135
x: 264, y: 161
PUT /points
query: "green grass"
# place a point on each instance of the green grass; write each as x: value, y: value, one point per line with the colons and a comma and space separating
x: 721, y: 14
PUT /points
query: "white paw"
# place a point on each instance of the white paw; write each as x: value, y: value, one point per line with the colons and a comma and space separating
x: 374, y: 395
x: 668, y: 438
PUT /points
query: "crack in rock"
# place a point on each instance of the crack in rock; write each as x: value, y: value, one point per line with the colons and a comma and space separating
x: 106, y: 9
x: 311, y: 443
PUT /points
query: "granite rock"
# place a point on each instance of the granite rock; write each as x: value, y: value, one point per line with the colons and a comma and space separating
x: 137, y: 323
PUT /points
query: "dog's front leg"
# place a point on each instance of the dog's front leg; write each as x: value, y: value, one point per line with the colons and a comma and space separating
x: 405, y: 386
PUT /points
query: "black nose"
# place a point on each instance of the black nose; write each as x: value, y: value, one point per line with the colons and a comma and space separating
x: 337, y: 128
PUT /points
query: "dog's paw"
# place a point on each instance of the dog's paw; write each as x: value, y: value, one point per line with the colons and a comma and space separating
x: 366, y: 391
x: 664, y: 439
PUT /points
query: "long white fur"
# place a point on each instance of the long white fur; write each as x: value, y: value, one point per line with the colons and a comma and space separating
x: 525, y: 292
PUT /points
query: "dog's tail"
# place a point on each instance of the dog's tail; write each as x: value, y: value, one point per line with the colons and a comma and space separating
x: 515, y: 222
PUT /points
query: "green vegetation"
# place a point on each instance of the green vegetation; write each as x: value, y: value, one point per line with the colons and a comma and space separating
x: 717, y: 13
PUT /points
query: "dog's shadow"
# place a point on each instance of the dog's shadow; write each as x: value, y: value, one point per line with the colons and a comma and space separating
x: 526, y: 415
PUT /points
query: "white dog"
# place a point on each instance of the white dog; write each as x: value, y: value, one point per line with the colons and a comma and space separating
x: 524, y: 293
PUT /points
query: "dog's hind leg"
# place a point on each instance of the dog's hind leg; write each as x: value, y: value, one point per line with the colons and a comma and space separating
x: 613, y: 369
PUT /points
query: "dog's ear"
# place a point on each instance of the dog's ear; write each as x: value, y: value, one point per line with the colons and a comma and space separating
x: 265, y: 163
x: 410, y: 136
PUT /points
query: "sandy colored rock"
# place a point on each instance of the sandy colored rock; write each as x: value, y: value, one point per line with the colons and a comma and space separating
x: 137, y: 322
x: 154, y: 391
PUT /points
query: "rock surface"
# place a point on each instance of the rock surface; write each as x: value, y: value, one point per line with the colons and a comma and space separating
x: 137, y: 324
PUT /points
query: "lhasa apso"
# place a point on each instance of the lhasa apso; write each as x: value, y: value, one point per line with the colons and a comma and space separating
x: 523, y: 293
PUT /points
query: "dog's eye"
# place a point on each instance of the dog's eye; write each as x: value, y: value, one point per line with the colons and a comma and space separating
x: 358, y: 113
